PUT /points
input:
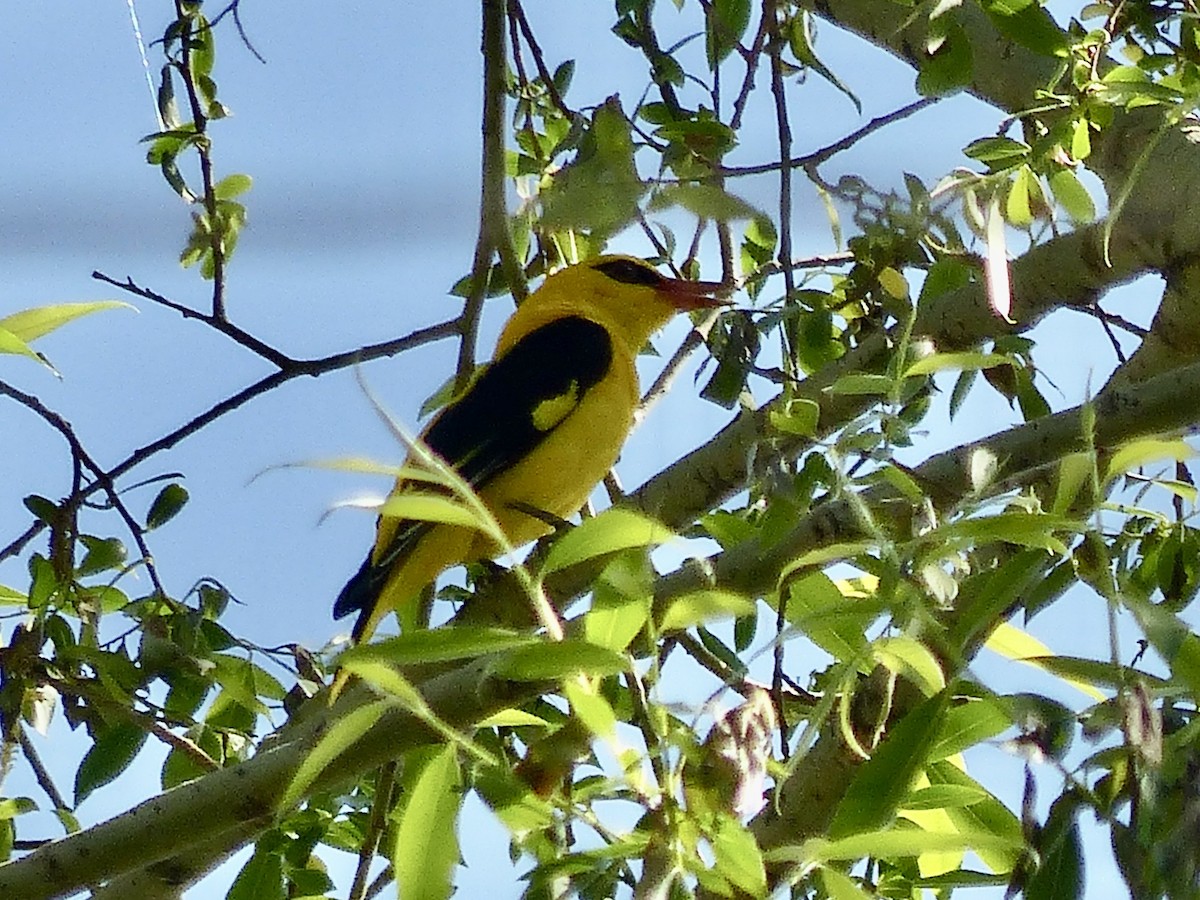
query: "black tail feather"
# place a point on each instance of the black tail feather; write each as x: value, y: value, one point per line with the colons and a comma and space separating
x: 359, y: 595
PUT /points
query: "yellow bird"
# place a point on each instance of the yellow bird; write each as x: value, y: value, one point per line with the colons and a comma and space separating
x: 537, y: 428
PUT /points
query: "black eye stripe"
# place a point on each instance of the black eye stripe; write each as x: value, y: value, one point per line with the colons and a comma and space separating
x: 627, y: 271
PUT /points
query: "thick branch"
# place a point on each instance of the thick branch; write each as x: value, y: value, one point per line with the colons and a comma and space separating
x: 1067, y: 271
x: 240, y: 801
x: 1122, y: 414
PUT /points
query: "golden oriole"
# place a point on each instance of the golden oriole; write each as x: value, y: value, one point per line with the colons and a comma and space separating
x: 536, y: 428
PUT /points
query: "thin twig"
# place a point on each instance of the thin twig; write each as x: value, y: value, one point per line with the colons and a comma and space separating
x: 752, y: 57
x: 784, y: 130
x: 825, y: 153
x: 100, y: 478
x: 220, y: 323
x: 691, y: 342
x: 241, y: 30
x: 1107, y: 318
x: 380, y: 807
x: 182, y: 743
x: 493, y: 211
x: 44, y: 779
x: 517, y: 13
x: 203, y: 149
x: 295, y: 369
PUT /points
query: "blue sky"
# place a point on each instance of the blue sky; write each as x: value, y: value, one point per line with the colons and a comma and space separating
x: 361, y: 133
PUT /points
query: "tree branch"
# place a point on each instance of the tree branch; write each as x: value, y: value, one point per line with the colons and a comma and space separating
x: 238, y: 802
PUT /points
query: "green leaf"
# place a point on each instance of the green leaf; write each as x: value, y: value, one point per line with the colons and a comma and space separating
x: 862, y: 385
x: 111, y: 754
x: 231, y: 186
x: 738, y: 857
x: 1059, y: 875
x: 426, y: 848
x: 948, y: 63
x: 342, y: 734
x: 840, y: 886
x: 1172, y: 639
x: 10, y: 807
x: 31, y: 324
x: 11, y: 596
x: 554, y: 660
x: 1019, y: 209
x: 883, y: 781
x: 1081, y: 140
x: 14, y: 346
x: 703, y: 606
x: 1020, y: 528
x: 1072, y: 196
x: 422, y: 506
x: 966, y: 724
x: 942, y: 796
x: 239, y: 678
x: 704, y: 201
x: 834, y: 622
x: 799, y: 417
x: 734, y: 343
x: 939, y: 362
x: 102, y: 554
x: 998, y: 152
x: 261, y: 878
x: 1076, y: 670
x: 166, y: 505
x: 438, y: 645
x: 945, y: 276
x: 800, y: 40
x: 988, y: 816
x: 1136, y: 454
x: 591, y: 709
x: 612, y: 530
x: 600, y: 189
x: 1026, y: 23
x: 894, y: 844
x: 512, y: 718
x: 621, y: 604
x: 907, y: 656
x: 725, y: 24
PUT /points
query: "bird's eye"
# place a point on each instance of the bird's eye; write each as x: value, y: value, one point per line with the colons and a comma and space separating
x: 627, y: 271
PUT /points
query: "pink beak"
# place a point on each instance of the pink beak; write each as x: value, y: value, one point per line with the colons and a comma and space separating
x: 688, y: 295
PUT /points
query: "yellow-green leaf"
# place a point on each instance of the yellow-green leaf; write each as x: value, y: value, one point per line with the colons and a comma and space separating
x: 425, y: 507
x: 426, y: 849
x: 612, y: 530
x: 703, y: 606
x: 903, y: 655
x: 31, y: 324
x: 1020, y: 646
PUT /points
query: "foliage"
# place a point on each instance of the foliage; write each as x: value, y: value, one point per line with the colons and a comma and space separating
x: 847, y: 595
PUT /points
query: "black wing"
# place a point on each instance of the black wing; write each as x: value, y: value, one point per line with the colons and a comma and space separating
x: 494, y: 424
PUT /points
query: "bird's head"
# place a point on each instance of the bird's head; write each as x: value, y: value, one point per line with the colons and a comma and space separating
x: 625, y: 294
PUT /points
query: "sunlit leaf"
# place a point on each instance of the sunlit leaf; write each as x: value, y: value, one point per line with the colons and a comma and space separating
x: 703, y: 606
x: 904, y: 655
x: 426, y: 845
x: 340, y: 736
x: 31, y: 324
x: 590, y: 708
x: 552, y: 660
x: 1018, y: 645
x: 612, y: 530
x: 438, y: 645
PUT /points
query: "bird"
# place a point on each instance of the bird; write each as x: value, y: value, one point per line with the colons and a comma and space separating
x: 536, y: 429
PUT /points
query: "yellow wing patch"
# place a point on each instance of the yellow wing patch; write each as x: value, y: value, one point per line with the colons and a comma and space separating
x: 554, y: 409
